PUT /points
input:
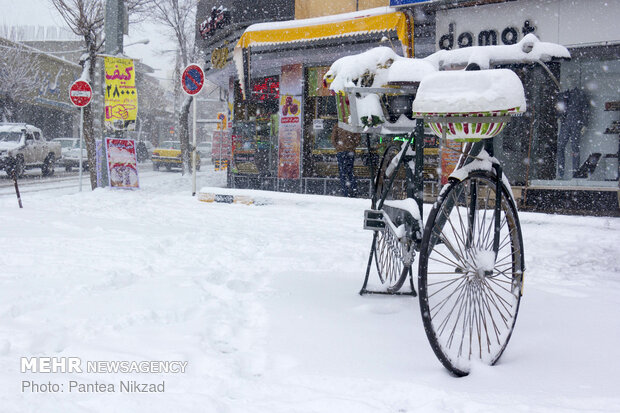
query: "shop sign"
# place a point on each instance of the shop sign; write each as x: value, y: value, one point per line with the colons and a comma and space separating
x: 317, y: 124
x: 220, y: 17
x: 121, y: 97
x: 488, y: 37
x: 265, y: 89
x: 219, y: 57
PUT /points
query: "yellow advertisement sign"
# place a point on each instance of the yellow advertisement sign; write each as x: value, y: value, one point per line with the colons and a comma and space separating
x: 121, y: 96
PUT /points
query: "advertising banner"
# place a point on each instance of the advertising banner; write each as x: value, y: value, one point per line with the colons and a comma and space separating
x: 122, y: 163
x: 449, y: 159
x: 290, y: 124
x: 121, y: 96
x: 221, y: 149
x: 289, y: 134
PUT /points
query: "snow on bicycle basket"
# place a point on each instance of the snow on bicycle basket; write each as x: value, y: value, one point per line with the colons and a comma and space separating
x: 375, y: 89
x: 469, y: 105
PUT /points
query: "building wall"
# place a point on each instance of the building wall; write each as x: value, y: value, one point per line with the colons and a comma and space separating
x: 46, y: 104
x: 305, y: 9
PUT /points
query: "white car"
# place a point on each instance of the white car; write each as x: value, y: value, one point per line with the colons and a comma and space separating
x: 71, y: 158
x: 66, y: 144
x: 23, y: 146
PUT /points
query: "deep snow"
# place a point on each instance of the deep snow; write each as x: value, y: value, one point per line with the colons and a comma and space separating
x: 262, y: 302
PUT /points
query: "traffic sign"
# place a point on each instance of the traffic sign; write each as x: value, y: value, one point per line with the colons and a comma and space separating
x: 193, y: 79
x: 80, y: 93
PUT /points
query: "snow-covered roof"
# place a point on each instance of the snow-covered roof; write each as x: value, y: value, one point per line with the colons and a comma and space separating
x: 315, y: 21
x: 378, y: 20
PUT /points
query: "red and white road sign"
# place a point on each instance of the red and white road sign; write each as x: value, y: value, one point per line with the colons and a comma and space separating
x: 80, y: 93
x: 193, y: 79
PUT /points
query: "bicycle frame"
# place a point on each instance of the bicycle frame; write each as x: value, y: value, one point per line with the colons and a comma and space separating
x: 414, y: 182
x: 415, y: 190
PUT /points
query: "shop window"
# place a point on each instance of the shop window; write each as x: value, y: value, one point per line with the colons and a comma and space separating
x: 588, y: 117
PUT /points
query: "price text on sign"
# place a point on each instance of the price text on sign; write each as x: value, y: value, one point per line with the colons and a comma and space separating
x: 80, y: 93
x: 192, y: 79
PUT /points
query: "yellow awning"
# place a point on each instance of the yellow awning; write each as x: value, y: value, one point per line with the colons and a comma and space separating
x: 382, y: 19
x: 323, y: 29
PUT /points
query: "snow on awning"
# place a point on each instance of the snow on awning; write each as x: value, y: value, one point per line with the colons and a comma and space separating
x: 381, y: 19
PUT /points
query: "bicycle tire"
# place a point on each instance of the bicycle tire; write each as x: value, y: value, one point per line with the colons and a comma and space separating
x: 388, y: 254
x: 470, y: 297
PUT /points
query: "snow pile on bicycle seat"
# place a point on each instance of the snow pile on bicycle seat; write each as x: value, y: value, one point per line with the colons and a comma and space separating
x: 470, y: 91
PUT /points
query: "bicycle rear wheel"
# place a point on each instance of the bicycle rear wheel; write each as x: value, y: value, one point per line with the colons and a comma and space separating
x: 469, y: 296
x: 389, y: 252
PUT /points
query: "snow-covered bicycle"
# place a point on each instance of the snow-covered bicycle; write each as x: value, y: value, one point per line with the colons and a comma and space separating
x: 470, y: 252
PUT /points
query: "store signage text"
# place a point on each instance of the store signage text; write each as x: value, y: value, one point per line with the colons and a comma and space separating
x: 219, y: 57
x: 508, y: 35
x: 265, y: 89
x: 220, y: 17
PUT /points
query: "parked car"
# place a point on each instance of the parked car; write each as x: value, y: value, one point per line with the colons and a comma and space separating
x: 71, y: 158
x: 168, y: 154
x: 23, y: 146
x: 205, y: 150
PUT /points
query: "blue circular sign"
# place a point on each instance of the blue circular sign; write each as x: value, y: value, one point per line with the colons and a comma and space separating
x: 193, y: 79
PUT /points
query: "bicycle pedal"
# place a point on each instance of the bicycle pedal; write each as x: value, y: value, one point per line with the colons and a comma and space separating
x: 373, y: 220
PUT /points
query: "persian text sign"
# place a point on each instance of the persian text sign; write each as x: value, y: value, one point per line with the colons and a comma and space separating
x: 289, y: 134
x: 121, y: 96
x: 122, y: 163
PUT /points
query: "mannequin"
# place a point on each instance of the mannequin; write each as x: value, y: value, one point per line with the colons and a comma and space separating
x: 573, y: 104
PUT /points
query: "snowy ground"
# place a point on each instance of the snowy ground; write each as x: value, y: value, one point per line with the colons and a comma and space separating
x: 262, y: 302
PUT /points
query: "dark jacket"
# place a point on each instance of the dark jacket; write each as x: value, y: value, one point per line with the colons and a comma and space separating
x: 345, y: 141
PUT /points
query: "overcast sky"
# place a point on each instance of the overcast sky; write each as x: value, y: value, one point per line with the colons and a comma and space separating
x: 42, y: 13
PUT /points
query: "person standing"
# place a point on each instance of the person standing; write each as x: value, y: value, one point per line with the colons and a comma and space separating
x: 345, y: 143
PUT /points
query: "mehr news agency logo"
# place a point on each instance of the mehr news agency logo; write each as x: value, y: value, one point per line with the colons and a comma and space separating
x: 75, y: 365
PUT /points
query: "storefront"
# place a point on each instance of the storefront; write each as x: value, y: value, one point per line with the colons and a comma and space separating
x: 563, y: 155
x: 282, y: 114
x: 40, y: 95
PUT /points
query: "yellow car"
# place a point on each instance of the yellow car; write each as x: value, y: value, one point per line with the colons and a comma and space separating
x: 168, y: 154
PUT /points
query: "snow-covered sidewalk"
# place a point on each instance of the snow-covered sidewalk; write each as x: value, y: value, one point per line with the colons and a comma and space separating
x: 262, y: 303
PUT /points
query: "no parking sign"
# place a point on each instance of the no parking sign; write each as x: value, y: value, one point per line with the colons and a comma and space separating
x: 192, y: 79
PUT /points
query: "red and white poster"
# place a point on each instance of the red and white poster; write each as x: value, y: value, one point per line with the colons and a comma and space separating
x: 222, y: 145
x: 289, y: 135
x: 290, y: 128
x: 449, y: 158
x: 122, y: 163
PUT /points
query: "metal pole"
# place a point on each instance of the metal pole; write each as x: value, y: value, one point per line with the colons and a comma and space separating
x: 81, y: 139
x: 194, y: 149
x: 19, y: 198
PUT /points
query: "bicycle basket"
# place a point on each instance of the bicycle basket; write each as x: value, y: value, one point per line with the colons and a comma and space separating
x: 469, y: 105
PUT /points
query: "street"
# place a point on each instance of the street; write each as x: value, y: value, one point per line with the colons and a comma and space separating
x: 262, y: 303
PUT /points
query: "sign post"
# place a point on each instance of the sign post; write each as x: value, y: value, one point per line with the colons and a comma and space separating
x: 192, y: 80
x: 81, y: 94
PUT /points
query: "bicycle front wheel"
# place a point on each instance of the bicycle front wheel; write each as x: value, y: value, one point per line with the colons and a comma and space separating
x: 469, y: 294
